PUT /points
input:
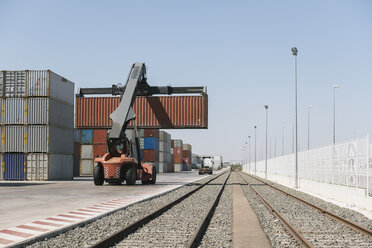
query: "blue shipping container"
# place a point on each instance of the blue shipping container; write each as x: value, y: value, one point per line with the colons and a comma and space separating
x: 87, y: 136
x: 77, y: 135
x: 151, y: 143
x: 14, y: 165
x: 142, y: 153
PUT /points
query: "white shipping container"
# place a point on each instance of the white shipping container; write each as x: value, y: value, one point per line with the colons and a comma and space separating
x: 164, y: 157
x: 177, y: 167
x: 164, y: 147
x: 14, y: 83
x: 37, y: 166
x: 86, y: 152
x: 186, y: 147
x: 37, y: 110
x: 163, y: 167
x: 86, y: 167
x: 37, y: 138
x: 14, y: 139
x: 164, y: 137
x: 14, y: 111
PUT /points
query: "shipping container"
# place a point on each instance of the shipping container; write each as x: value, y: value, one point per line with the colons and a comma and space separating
x: 14, y: 111
x: 167, y: 112
x: 151, y: 133
x: 177, y: 143
x: 163, y: 167
x: 86, y: 152
x: 151, y: 143
x: 87, y: 136
x: 99, y: 150
x: 14, y: 139
x: 177, y: 155
x: 170, y: 167
x: 186, y: 147
x: 49, y: 139
x: 86, y: 167
x: 142, y: 143
x: 177, y: 167
x: 14, y: 83
x: 164, y: 137
x: 100, y: 136
x: 49, y: 112
x: 164, y: 157
x: 60, y: 166
x: 14, y: 165
x: 77, y: 147
x: 77, y: 135
x: 1, y: 85
x: 164, y: 147
x: 76, y: 167
x: 151, y: 156
x: 142, y: 155
x: 37, y: 166
x: 141, y: 133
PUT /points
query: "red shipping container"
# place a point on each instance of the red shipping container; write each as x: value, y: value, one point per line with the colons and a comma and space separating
x: 186, y: 161
x: 177, y: 155
x: 167, y: 112
x: 151, y: 156
x: 99, y: 150
x: 100, y: 136
x: 151, y: 133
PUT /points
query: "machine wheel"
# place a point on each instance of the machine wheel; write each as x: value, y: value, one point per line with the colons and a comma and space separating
x: 131, y: 175
x: 153, y: 181
x: 98, y: 176
x: 145, y: 182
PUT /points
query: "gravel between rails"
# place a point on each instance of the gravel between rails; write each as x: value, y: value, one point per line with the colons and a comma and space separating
x: 219, y: 232
x: 93, y: 232
x: 175, y: 227
x: 276, y: 231
x: 319, y: 229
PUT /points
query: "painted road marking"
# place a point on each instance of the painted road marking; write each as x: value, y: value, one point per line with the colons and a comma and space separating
x: 33, y: 228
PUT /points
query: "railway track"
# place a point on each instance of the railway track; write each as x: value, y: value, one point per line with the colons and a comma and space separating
x: 311, y: 225
x: 181, y: 223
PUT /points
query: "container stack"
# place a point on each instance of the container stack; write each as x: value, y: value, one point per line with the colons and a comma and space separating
x: 37, y: 125
x: 77, y: 147
x: 86, y: 153
x: 177, y: 154
x: 164, y: 152
x: 151, y: 147
x: 186, y: 157
x: 195, y: 161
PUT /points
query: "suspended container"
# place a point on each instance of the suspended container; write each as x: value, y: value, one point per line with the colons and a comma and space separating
x: 14, y: 111
x: 14, y: 166
x: 167, y: 112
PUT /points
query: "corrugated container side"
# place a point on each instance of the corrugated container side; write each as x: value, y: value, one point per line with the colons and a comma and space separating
x: 37, y: 166
x: 86, y: 152
x: 61, y: 114
x: 14, y: 139
x: 100, y: 136
x: 60, y: 88
x: 38, y: 83
x: 170, y: 112
x: 177, y: 143
x: 177, y: 167
x: 15, y: 83
x: 1, y: 83
x: 151, y: 143
x: 170, y: 167
x: 151, y: 156
x: 77, y: 147
x: 60, y: 166
x: 14, y: 112
x: 61, y: 140
x: 87, y: 136
x: 163, y: 167
x: 37, y: 110
x: 142, y: 143
x: 86, y: 167
x: 99, y: 150
x: 177, y: 155
x: 38, y: 137
x: 14, y: 165
x: 151, y: 133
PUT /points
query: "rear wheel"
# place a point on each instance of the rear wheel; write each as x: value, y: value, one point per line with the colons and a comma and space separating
x: 130, y: 175
x: 153, y: 181
x: 98, y: 176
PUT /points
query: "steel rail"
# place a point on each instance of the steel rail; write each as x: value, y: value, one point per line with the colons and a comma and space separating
x: 295, y: 233
x: 350, y: 223
x: 131, y: 228
x: 203, y: 225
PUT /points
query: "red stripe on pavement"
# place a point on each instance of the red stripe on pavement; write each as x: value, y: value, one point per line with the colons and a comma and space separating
x: 15, y: 233
x: 110, y: 204
x: 6, y: 241
x: 33, y: 228
x: 61, y: 220
x: 80, y: 213
x: 47, y: 223
x: 86, y: 210
x: 71, y: 216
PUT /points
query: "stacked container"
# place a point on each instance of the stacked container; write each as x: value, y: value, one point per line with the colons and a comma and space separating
x: 151, y: 147
x: 177, y: 154
x: 186, y: 157
x: 86, y: 153
x: 37, y: 125
x: 77, y: 147
x: 164, y: 152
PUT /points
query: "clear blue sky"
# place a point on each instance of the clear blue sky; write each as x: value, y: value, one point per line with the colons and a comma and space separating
x: 239, y: 49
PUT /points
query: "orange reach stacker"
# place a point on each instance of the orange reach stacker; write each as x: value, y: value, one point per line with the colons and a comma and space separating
x: 122, y: 162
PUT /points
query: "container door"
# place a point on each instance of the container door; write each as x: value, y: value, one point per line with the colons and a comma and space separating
x: 14, y: 166
x: 86, y: 167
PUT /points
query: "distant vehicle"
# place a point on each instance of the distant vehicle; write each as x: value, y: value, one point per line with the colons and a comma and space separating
x: 207, y: 166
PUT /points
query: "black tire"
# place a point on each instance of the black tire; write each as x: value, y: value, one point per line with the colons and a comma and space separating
x: 153, y: 181
x: 98, y: 176
x: 131, y: 175
x: 145, y: 182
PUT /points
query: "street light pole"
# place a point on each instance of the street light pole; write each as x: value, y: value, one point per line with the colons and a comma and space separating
x: 249, y: 154
x: 255, y: 149
x: 266, y: 107
x: 334, y: 112
x: 246, y: 150
x: 308, y: 127
x: 294, y: 52
x: 282, y: 141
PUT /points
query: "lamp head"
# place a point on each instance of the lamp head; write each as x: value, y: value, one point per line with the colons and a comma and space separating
x: 294, y: 51
x: 266, y: 106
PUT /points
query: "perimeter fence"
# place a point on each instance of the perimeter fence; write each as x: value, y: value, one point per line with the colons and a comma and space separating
x: 347, y: 163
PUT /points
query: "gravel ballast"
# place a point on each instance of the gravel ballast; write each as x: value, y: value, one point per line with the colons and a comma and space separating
x: 93, y: 232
